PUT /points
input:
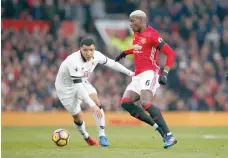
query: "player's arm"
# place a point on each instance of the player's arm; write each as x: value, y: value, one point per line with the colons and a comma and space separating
x: 114, y: 65
x: 77, y: 80
x: 83, y: 93
x: 123, y: 54
x: 76, y: 77
x: 85, y: 96
x: 168, y: 51
x: 118, y: 67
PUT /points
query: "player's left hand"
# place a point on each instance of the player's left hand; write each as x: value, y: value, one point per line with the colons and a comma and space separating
x: 120, y: 56
x: 227, y: 76
x: 163, y: 78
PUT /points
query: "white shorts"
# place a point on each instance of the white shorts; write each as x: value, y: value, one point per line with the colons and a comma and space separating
x: 147, y: 80
x: 72, y: 100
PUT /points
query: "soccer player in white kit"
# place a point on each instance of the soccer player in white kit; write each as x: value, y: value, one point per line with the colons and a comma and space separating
x: 72, y: 87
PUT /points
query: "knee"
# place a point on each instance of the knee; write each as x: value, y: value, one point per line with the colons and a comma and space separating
x: 125, y: 103
x: 97, y: 102
x: 145, y: 104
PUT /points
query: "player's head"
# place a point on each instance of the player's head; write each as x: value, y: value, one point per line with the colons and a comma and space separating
x: 87, y: 48
x: 137, y: 20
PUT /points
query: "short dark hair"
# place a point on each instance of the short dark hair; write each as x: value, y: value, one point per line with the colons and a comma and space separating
x: 88, y: 41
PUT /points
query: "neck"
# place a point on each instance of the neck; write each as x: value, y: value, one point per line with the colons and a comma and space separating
x: 143, y: 29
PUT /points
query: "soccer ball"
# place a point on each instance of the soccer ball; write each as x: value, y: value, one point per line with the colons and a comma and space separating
x: 61, y: 137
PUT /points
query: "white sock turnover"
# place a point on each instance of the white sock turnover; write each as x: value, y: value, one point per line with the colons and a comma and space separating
x: 82, y: 130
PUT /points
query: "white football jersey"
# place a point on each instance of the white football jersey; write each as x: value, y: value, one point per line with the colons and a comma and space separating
x: 75, y: 67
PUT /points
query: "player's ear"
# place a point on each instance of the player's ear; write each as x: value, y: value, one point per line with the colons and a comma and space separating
x: 143, y: 20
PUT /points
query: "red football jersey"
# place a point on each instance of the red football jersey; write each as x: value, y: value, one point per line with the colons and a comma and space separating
x: 145, y: 50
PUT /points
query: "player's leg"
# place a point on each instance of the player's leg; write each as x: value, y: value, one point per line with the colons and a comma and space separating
x: 127, y: 104
x: 80, y: 126
x: 146, y: 98
x: 138, y: 112
x: 155, y: 113
x: 131, y: 95
x: 146, y: 102
x: 100, y: 122
x: 72, y: 105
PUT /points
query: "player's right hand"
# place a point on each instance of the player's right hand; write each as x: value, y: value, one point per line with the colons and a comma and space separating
x: 130, y: 73
x: 163, y: 78
x: 120, y: 56
x: 97, y: 111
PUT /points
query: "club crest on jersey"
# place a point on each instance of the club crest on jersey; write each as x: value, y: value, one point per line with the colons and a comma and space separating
x: 86, y: 73
x: 137, y: 47
x: 160, y: 39
x: 143, y: 40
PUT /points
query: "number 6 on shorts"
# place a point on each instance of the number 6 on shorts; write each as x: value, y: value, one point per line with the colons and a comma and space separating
x: 147, y: 83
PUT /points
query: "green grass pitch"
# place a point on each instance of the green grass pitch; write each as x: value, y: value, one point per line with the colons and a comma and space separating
x: 126, y: 142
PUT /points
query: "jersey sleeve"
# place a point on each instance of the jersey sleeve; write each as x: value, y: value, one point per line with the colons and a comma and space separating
x: 159, y: 44
x: 129, y: 51
x: 156, y: 40
x: 102, y: 59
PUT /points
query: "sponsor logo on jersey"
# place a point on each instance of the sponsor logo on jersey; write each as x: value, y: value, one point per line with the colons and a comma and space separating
x: 137, y: 47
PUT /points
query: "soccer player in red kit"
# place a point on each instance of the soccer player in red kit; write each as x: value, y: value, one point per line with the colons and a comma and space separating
x: 148, y: 77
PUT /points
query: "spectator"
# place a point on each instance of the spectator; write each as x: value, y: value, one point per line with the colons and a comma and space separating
x: 197, y: 30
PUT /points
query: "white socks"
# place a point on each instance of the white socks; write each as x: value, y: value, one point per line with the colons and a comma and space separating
x: 155, y: 126
x: 168, y: 134
x: 82, y: 130
x: 100, y: 123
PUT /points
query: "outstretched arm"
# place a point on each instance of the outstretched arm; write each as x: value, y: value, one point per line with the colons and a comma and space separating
x: 124, y: 54
x: 118, y: 67
x: 129, y: 51
x: 112, y: 64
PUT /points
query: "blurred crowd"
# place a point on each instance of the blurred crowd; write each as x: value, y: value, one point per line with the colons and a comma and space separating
x: 196, y: 30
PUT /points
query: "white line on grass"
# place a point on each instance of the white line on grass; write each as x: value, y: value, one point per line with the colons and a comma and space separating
x: 215, y: 136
